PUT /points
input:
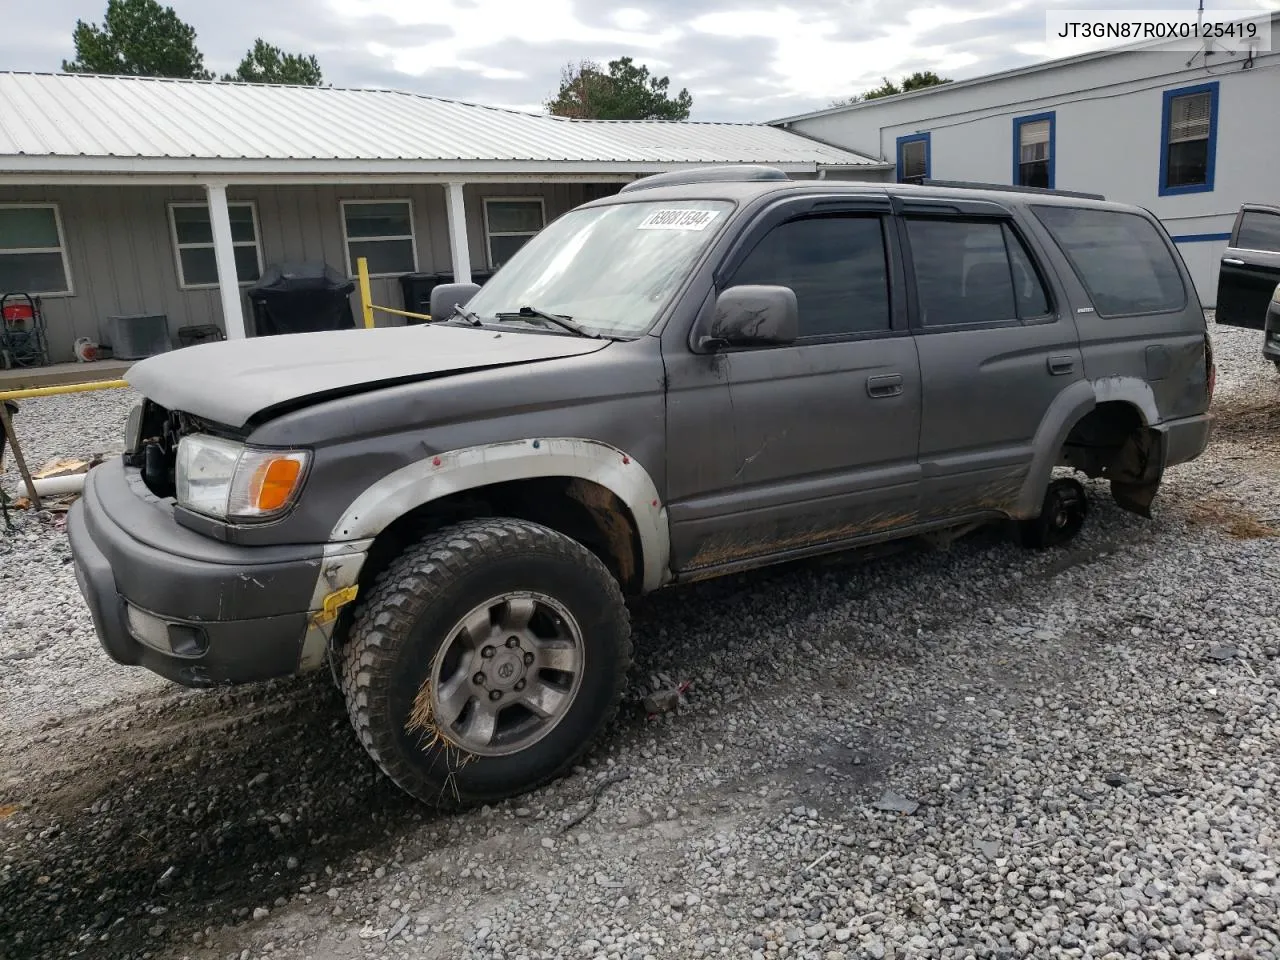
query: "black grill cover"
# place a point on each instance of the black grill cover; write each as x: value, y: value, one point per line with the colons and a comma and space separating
x: 300, y: 298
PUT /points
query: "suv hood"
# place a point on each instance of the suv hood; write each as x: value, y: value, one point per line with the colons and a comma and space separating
x: 231, y: 381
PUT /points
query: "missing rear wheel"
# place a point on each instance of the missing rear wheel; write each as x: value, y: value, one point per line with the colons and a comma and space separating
x: 1062, y: 516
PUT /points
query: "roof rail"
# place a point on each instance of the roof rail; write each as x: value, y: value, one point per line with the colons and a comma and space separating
x: 722, y: 174
x: 973, y: 185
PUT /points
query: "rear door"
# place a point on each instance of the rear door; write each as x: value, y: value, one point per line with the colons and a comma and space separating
x: 1250, y: 267
x: 996, y: 349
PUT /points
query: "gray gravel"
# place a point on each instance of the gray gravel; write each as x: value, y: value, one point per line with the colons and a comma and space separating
x: 1089, y: 738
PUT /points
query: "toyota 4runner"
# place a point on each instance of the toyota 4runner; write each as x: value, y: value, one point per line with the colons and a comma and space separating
x: 708, y: 372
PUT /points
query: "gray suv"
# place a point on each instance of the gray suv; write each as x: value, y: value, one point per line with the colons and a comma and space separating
x: 708, y: 372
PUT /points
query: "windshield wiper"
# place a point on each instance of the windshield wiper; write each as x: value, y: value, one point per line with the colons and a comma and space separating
x: 470, y: 316
x: 563, y: 322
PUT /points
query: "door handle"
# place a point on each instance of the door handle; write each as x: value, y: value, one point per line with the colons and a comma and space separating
x: 1060, y: 365
x: 1233, y: 261
x: 886, y: 385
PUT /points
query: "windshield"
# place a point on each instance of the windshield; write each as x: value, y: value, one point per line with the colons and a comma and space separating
x: 610, y: 269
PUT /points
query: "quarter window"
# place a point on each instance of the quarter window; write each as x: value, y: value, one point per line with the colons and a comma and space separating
x: 836, y: 266
x: 1259, y: 231
x: 381, y: 231
x: 1119, y: 258
x: 1188, y: 135
x: 508, y: 225
x: 973, y: 272
x: 193, y: 244
x: 33, y: 252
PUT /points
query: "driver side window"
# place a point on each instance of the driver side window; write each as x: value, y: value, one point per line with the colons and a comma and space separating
x: 837, y: 267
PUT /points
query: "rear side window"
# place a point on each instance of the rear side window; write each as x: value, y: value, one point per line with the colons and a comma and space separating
x: 1120, y: 259
x: 1259, y: 231
x: 971, y: 272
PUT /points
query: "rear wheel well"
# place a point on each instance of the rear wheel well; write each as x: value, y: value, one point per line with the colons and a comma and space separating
x: 585, y: 511
x: 1113, y: 441
x: 1097, y: 439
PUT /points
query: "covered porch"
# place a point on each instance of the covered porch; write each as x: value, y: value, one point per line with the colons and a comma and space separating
x: 156, y: 204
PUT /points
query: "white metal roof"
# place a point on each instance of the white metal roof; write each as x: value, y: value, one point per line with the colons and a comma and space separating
x: 101, y: 124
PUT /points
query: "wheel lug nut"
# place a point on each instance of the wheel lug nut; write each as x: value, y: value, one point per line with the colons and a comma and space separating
x: 528, y: 659
x: 513, y: 642
x: 478, y: 679
x: 519, y: 685
x: 495, y: 694
x: 487, y: 652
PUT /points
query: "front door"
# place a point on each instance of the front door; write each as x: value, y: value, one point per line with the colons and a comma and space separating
x: 824, y: 430
x: 1250, y: 268
x: 995, y: 351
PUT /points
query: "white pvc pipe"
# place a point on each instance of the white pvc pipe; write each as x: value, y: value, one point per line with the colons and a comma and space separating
x: 57, y: 486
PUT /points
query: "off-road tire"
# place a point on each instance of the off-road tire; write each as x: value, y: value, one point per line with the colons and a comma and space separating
x: 1062, y: 516
x: 402, y: 621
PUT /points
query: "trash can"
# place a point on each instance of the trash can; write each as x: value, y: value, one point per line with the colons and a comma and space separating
x: 301, y: 298
x: 416, y: 289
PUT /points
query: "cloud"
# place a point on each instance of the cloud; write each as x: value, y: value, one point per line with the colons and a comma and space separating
x: 744, y: 60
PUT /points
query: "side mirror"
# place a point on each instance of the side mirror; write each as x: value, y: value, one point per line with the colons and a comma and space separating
x: 752, y: 316
x: 448, y: 295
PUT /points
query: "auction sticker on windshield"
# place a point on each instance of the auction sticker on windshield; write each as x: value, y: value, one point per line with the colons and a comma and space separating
x: 678, y: 220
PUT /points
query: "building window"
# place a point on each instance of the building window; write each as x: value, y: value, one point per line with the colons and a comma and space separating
x: 508, y: 225
x: 381, y: 231
x: 193, y: 244
x: 1188, y: 139
x: 914, y: 162
x: 1033, y: 149
x: 33, y: 253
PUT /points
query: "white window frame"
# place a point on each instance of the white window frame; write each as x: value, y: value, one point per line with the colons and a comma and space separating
x: 61, y: 249
x: 179, y: 247
x: 346, y: 240
x: 489, y: 234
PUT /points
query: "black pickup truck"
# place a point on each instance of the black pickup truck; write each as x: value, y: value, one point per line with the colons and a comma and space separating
x: 1249, y: 280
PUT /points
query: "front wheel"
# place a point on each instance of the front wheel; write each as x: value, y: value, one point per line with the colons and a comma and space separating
x: 485, y: 661
x: 1062, y: 515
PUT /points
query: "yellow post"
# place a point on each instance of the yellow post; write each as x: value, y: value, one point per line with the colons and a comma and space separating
x: 366, y: 298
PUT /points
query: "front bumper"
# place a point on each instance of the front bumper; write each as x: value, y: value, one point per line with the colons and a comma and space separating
x: 227, y: 614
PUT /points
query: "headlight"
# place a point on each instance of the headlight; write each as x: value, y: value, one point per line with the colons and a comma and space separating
x: 222, y: 478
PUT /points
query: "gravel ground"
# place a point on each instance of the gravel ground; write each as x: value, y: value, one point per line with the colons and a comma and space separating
x: 1084, y: 744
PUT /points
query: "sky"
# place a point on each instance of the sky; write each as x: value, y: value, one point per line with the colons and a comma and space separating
x: 742, y: 60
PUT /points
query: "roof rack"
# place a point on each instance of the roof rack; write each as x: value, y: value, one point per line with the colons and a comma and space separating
x: 722, y: 174
x: 973, y: 185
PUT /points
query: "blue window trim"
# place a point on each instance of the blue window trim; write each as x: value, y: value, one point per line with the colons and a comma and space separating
x: 1051, y: 116
x: 928, y: 154
x: 1166, y: 113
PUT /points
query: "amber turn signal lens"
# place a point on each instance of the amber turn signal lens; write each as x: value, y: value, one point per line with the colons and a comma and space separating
x: 273, y: 483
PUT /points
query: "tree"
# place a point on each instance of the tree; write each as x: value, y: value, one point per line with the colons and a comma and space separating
x: 915, y: 81
x: 626, y: 92
x: 266, y: 63
x: 137, y: 38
